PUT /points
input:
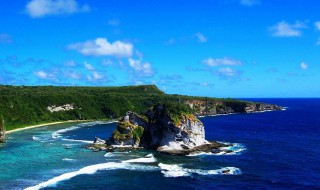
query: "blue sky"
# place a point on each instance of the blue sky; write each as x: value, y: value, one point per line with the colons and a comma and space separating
x: 216, y: 48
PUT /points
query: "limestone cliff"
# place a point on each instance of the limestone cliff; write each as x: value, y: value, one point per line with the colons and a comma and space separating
x: 159, y: 129
x: 204, y: 107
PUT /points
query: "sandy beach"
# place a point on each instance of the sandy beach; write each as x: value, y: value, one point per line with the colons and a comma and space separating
x: 45, y: 124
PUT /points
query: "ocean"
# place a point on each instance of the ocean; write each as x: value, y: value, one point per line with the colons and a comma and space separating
x: 272, y: 150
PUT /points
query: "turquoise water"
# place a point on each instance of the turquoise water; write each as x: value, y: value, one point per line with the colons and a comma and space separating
x: 55, y: 157
x: 32, y: 156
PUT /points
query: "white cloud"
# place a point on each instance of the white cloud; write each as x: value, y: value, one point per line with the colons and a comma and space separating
x: 141, y: 69
x: 88, y: 66
x: 101, y: 47
x: 303, y: 66
x: 44, y: 75
x: 249, y: 2
x: 41, y: 8
x: 221, y: 61
x: 228, y: 72
x: 96, y: 76
x: 284, y: 29
x: 201, y: 37
x: 5, y: 39
x: 317, y: 25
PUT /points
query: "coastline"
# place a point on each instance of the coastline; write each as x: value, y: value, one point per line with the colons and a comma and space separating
x: 44, y: 124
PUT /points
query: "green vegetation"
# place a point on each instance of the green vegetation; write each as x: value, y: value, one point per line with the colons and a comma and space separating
x: 137, y: 132
x: 126, y: 130
x: 176, y: 110
x: 27, y: 105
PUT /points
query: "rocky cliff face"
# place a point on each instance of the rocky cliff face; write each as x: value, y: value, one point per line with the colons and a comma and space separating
x: 158, y: 130
x: 209, y: 107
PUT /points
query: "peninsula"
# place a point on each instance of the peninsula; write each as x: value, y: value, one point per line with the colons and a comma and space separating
x: 23, y: 106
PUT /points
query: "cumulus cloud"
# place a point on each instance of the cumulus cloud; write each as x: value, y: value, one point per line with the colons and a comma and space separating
x: 249, y: 3
x: 221, y: 61
x: 5, y: 39
x: 201, y: 38
x: 303, y: 66
x: 96, y: 76
x: 44, y: 75
x: 101, y: 47
x: 227, y: 71
x: 88, y: 66
x: 317, y: 25
x: 284, y: 29
x: 141, y: 69
x: 41, y: 8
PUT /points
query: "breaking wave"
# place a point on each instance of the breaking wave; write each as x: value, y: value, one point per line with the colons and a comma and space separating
x: 175, y: 170
x: 57, y: 134
x: 75, y: 140
x: 147, y: 159
x: 94, y: 168
x: 138, y: 164
x: 68, y: 159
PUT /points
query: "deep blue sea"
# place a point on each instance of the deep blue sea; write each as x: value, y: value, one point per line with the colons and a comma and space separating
x: 275, y: 150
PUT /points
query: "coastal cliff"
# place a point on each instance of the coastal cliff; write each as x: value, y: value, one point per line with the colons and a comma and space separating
x: 206, y: 107
x: 167, y: 128
x: 159, y: 129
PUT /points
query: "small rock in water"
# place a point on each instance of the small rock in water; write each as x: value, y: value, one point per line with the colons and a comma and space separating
x: 226, y: 171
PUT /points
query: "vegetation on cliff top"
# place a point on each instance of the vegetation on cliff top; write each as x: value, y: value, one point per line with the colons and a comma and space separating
x: 27, y: 105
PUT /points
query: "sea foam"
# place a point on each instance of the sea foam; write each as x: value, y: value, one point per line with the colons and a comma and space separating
x: 75, y: 140
x: 58, y: 134
x: 147, y: 159
x: 94, y: 168
x: 175, y: 170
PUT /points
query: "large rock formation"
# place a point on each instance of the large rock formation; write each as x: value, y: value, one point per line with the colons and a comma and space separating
x: 159, y: 128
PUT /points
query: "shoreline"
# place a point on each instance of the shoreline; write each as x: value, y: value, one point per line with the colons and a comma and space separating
x: 44, y: 124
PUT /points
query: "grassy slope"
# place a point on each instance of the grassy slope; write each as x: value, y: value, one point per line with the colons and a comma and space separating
x: 27, y: 105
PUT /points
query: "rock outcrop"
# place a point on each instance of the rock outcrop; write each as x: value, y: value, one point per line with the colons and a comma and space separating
x: 65, y: 107
x: 159, y: 129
